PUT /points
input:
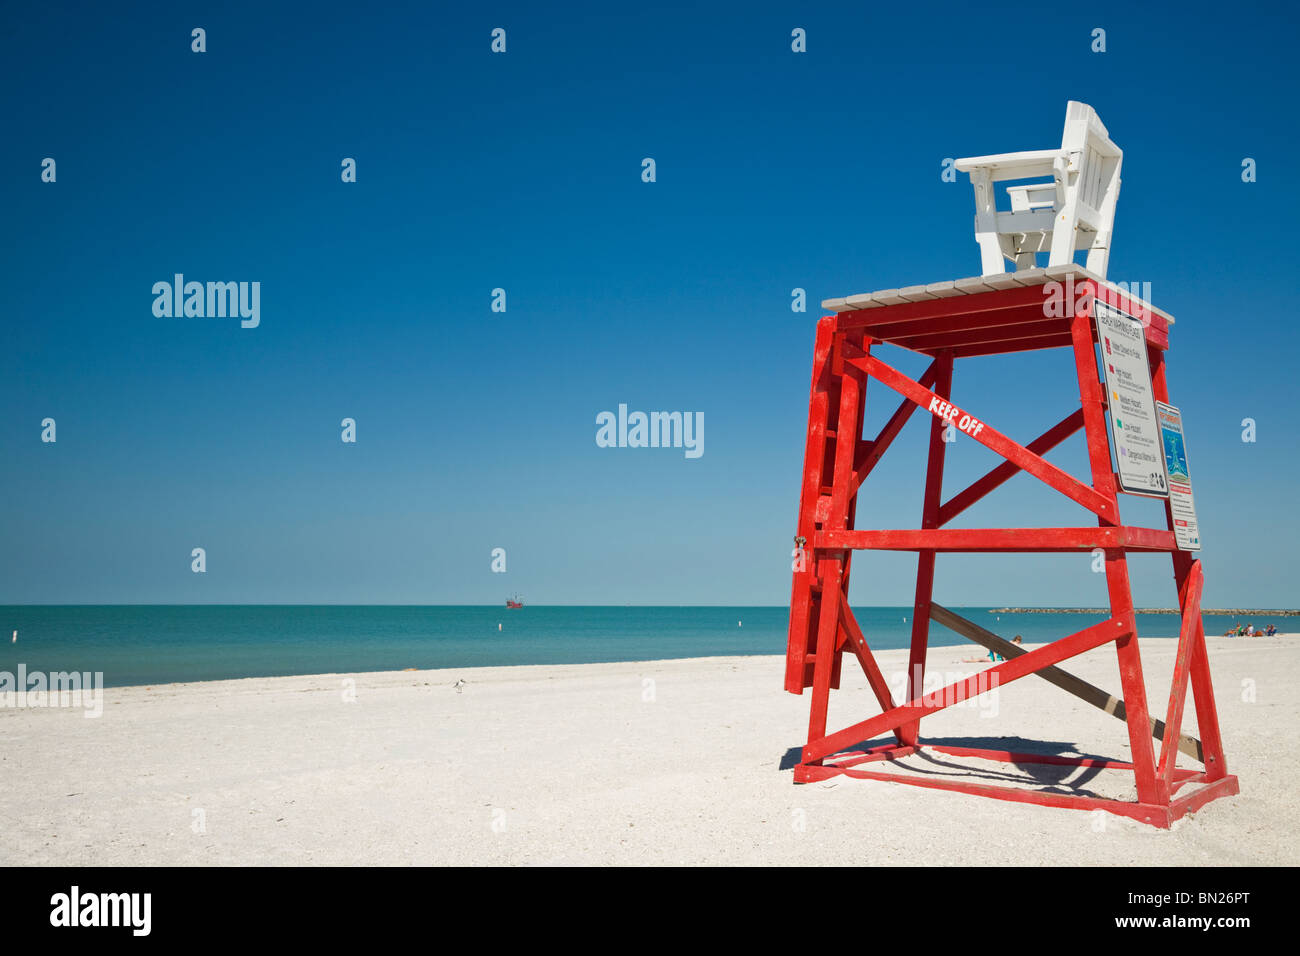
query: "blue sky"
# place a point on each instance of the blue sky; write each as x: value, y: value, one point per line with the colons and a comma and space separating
x: 522, y: 171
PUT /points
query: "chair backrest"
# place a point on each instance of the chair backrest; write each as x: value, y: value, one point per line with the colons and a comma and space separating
x: 1091, y: 174
x: 1075, y: 210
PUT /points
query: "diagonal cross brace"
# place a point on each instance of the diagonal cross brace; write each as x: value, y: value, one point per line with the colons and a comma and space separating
x: 1028, y: 663
x: 870, y: 452
x: 1003, y: 472
x: 1054, y: 675
x: 857, y: 643
x: 1191, y: 608
x: 990, y: 437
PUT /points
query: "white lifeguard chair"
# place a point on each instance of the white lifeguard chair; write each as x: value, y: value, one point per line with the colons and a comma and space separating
x: 1075, y: 210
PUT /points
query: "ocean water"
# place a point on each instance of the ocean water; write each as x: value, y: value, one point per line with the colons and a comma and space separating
x: 154, y: 644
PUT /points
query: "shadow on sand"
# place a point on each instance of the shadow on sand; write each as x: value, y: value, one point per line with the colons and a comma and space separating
x: 1046, y: 777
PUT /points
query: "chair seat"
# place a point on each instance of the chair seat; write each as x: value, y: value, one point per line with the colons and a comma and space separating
x: 1074, y: 210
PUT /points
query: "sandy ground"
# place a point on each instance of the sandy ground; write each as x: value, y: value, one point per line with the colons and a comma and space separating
x: 638, y: 763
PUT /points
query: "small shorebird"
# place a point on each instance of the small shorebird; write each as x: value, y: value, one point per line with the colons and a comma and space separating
x: 459, y: 684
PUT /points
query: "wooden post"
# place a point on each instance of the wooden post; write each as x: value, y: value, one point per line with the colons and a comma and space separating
x: 1117, y: 581
x: 805, y: 607
x: 1207, y: 712
x: 830, y: 563
x: 907, y: 734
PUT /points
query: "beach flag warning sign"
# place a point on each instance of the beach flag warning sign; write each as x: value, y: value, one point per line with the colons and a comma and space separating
x: 1180, y: 482
x: 1134, y: 433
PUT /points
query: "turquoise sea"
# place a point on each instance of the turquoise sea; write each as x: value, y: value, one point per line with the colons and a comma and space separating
x: 153, y: 644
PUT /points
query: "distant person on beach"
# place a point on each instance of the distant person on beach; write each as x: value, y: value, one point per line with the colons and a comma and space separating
x: 994, y: 656
x: 1250, y: 630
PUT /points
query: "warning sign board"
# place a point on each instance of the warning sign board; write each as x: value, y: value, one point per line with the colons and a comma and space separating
x: 1135, y: 435
x: 1181, y: 505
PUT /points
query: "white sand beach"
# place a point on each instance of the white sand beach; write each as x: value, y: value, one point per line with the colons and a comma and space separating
x: 670, y: 762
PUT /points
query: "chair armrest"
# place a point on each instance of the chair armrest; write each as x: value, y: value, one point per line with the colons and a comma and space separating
x: 1013, y: 165
x: 1032, y: 196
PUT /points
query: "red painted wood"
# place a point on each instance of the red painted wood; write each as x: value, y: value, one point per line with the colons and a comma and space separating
x: 802, y: 606
x: 1222, y: 787
x: 861, y: 345
x: 961, y: 313
x: 991, y: 438
x: 837, y: 461
x: 999, y: 539
x: 1000, y: 334
x: 1116, y: 561
x: 933, y: 495
x: 1002, y: 674
x: 855, y: 640
x: 1000, y: 474
x: 1154, y: 814
x: 828, y: 569
x: 890, y: 318
x: 888, y: 752
x: 936, y: 331
x: 1207, y: 712
x: 1158, y: 816
x: 1034, y: 344
x: 1157, y: 328
x: 874, y: 450
x: 1059, y: 760
x: 830, y: 563
x: 1190, y: 607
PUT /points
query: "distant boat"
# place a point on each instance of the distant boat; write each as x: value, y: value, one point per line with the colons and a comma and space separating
x: 514, y: 602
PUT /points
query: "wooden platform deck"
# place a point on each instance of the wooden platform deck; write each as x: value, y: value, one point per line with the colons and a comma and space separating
x: 1009, y: 312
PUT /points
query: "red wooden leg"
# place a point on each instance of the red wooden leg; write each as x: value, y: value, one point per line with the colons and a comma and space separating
x: 909, y: 733
x: 1117, y: 579
x: 830, y: 564
x: 804, y: 602
x: 1207, y: 713
x: 828, y: 623
x: 1190, y: 607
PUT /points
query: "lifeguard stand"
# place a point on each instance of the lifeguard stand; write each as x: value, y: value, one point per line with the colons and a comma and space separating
x: 1031, y: 308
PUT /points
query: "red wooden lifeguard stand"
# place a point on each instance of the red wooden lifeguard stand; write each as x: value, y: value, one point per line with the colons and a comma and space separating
x: 993, y: 314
